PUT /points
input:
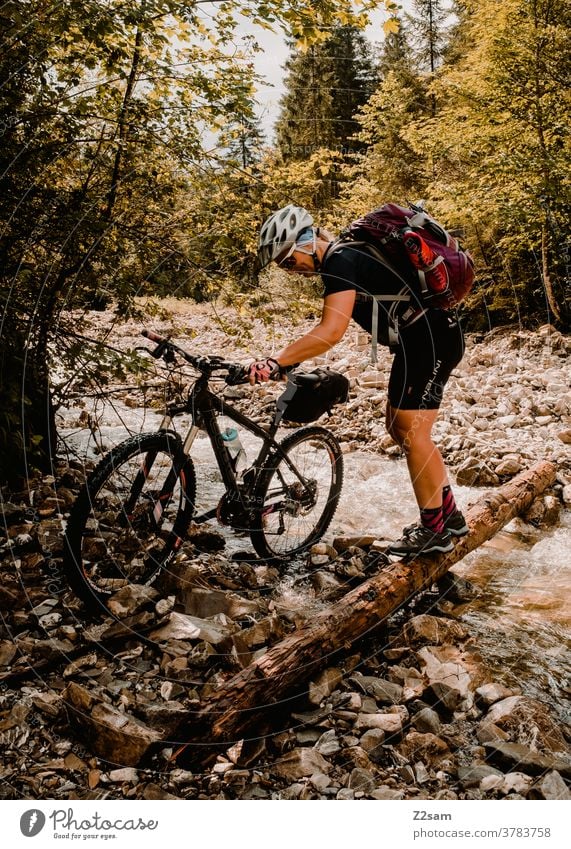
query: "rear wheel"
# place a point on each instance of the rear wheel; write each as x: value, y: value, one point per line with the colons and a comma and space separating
x: 299, y: 496
x: 130, y: 517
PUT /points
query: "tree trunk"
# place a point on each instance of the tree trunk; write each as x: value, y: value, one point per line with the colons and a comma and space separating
x: 547, y: 284
x: 240, y: 703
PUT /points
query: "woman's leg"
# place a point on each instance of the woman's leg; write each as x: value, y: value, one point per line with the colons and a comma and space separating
x: 412, y: 430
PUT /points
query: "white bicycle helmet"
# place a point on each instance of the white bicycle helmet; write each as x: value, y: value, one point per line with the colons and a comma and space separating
x: 280, y: 231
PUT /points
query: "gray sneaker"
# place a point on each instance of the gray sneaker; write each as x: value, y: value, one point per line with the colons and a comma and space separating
x: 456, y: 525
x: 417, y: 539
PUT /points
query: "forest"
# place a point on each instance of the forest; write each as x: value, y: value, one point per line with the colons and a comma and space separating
x: 133, y: 160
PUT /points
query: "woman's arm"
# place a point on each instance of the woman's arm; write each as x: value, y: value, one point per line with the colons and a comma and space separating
x: 337, y: 311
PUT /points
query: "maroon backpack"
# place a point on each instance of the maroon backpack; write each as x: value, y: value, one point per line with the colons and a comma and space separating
x: 445, y: 270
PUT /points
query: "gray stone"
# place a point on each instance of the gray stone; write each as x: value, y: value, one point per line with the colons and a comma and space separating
x: 384, y: 792
x: 183, y: 627
x: 204, y: 603
x: 391, y: 723
x: 328, y: 744
x: 550, y: 786
x: 361, y: 779
x: 299, y: 763
x: 494, y: 692
x: 346, y: 794
x: 130, y: 599
x: 522, y: 756
x: 320, y: 781
x: 516, y: 782
x: 527, y: 719
x: 432, y: 630
x: 372, y: 742
x: 471, y: 776
x: 427, y: 721
x: 385, y: 692
x: 325, y: 683
x: 487, y: 732
x: 125, y: 774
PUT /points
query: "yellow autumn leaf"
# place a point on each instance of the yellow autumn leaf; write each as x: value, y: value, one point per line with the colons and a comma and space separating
x: 392, y: 25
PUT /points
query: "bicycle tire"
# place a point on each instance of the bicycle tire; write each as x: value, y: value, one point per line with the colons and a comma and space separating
x: 129, y: 518
x: 278, y: 482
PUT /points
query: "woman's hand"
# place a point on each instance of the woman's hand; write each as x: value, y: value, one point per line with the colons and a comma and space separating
x: 261, y: 371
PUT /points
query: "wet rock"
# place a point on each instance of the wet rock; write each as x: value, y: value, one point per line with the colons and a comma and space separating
x: 371, y: 742
x: 326, y: 584
x: 205, y: 603
x: 328, y: 743
x: 8, y: 652
x: 527, y: 720
x: 473, y: 472
x: 341, y: 544
x: 346, y: 793
x: 390, y: 723
x: 206, y: 539
x: 385, y: 692
x: 320, y: 781
x: 457, y: 589
x: 508, y: 467
x: 183, y: 627
x: 426, y: 747
x: 124, y: 774
x: 325, y: 683
x: 246, y: 752
x: 300, y: 762
x: 471, y: 776
x: 131, y: 599
x: 516, y: 754
x: 487, y: 732
x: 427, y: 721
x: 550, y: 786
x: 449, y: 681
x: 516, y: 782
x: 355, y: 756
x: 488, y: 694
x: 432, y: 630
x: 384, y: 792
x: 490, y: 783
x: 361, y: 780
x: 111, y: 735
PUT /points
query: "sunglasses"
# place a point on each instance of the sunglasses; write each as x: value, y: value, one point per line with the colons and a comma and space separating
x: 289, y: 261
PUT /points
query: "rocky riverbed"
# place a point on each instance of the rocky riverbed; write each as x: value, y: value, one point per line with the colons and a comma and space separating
x: 89, y: 708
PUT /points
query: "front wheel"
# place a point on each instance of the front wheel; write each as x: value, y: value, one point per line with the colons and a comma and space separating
x: 297, y: 494
x: 130, y: 517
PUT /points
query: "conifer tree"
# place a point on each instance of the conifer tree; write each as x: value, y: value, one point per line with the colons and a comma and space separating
x: 325, y: 86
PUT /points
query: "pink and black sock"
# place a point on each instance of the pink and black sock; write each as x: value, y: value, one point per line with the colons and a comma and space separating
x: 448, y: 503
x: 433, y: 519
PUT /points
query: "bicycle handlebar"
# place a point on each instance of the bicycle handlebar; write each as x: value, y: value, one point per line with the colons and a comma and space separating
x: 166, y: 349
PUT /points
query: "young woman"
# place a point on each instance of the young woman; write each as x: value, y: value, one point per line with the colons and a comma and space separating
x: 426, y: 347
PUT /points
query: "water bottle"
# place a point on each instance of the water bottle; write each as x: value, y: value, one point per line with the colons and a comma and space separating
x: 235, y: 449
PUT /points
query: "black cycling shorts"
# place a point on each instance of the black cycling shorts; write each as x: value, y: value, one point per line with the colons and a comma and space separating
x: 427, y: 352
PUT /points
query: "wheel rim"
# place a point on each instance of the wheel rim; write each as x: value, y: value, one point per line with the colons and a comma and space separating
x: 292, y: 512
x: 125, y: 541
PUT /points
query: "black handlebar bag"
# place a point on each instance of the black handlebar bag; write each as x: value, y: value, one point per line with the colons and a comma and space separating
x: 309, y: 396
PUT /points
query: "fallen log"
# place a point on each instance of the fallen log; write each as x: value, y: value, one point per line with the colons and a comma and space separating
x: 240, y: 703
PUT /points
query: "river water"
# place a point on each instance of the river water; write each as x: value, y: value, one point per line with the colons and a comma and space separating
x: 520, y: 617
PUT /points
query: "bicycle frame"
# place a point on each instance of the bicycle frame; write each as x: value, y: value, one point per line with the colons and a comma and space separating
x: 205, y: 407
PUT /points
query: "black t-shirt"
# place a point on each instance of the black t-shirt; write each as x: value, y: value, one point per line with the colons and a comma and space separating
x: 353, y: 267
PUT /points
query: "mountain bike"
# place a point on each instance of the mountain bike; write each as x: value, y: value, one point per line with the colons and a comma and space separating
x: 133, y: 513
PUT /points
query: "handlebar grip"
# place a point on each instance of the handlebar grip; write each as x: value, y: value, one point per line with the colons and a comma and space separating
x: 154, y: 337
x: 237, y: 374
